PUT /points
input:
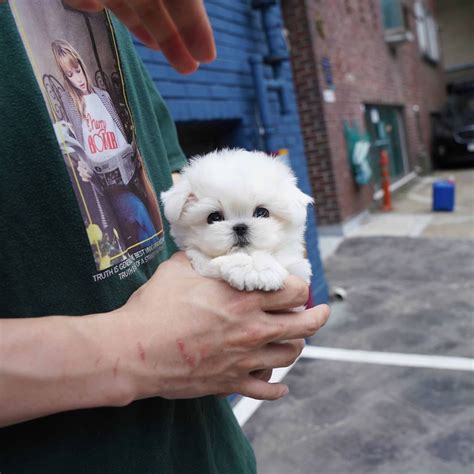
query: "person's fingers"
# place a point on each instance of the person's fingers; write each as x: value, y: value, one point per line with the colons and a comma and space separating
x: 260, y: 329
x: 281, y: 327
x: 255, y: 388
x: 127, y: 15
x: 181, y: 30
x: 157, y: 21
x: 192, y: 24
x: 85, y: 5
x: 294, y: 294
x: 262, y: 374
x: 276, y: 355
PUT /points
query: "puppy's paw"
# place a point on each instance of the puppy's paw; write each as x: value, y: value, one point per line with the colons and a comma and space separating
x: 271, y: 275
x: 256, y: 272
x: 302, y: 269
x: 234, y: 269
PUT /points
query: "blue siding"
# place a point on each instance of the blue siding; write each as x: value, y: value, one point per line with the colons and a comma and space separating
x: 225, y: 90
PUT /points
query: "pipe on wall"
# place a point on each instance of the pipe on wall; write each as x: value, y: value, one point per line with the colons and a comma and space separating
x: 277, y: 53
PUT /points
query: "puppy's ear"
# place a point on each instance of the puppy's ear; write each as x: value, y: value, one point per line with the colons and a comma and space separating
x: 175, y: 199
x: 303, y: 199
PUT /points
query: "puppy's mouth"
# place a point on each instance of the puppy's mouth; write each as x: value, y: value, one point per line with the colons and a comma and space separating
x: 241, y: 241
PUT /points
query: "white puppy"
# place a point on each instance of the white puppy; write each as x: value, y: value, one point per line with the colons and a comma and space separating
x: 239, y: 216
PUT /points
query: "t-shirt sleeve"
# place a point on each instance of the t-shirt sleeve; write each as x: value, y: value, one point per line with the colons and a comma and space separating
x: 176, y: 158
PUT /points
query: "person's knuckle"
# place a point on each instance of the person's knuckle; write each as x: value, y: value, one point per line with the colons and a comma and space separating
x: 239, y: 302
x: 276, y: 330
x: 255, y: 333
x: 233, y: 375
x: 303, y: 292
x: 299, y: 290
x: 251, y: 363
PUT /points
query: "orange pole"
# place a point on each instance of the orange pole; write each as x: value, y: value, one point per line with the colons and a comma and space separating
x: 387, y: 197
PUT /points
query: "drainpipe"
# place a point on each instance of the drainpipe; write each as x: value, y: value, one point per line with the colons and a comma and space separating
x: 277, y: 53
x: 261, y: 92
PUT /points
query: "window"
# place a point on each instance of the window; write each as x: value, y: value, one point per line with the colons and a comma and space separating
x: 421, y: 30
x: 433, y: 46
x: 200, y: 137
x: 427, y: 33
x: 395, y: 21
x: 392, y: 14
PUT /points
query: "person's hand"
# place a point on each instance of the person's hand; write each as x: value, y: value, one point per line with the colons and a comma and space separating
x: 179, y: 28
x: 182, y: 335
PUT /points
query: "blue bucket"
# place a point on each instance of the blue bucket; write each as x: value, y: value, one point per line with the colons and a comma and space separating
x: 444, y: 193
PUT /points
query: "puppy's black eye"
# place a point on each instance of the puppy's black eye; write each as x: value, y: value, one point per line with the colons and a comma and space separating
x: 215, y: 217
x: 261, y: 212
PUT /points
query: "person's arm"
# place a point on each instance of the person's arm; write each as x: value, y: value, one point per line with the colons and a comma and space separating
x: 59, y: 363
x: 179, y: 336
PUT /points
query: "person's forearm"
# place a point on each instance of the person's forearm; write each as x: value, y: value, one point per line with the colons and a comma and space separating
x: 58, y: 363
x: 167, y: 341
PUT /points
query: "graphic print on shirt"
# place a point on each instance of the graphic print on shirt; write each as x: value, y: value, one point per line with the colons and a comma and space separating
x: 75, y: 60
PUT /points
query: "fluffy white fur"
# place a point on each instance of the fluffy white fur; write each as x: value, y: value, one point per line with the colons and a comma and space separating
x: 235, y: 182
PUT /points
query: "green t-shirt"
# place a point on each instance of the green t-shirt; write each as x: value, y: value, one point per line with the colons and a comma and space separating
x: 73, y: 246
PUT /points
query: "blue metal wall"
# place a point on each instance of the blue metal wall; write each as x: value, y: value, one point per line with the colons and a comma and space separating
x: 224, y: 90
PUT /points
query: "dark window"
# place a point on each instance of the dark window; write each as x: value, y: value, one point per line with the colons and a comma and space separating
x: 392, y: 14
x: 200, y: 137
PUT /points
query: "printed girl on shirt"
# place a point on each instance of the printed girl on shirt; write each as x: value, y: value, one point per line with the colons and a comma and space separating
x: 110, y: 168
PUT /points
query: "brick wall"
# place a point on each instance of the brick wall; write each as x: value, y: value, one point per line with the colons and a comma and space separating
x: 316, y: 140
x: 365, y: 71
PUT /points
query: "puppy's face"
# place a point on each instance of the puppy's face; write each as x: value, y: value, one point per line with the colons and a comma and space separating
x: 235, y: 200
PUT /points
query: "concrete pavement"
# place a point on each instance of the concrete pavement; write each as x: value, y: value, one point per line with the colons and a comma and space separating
x: 406, y: 297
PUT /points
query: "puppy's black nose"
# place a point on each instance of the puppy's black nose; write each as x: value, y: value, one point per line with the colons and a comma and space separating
x: 240, y: 229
